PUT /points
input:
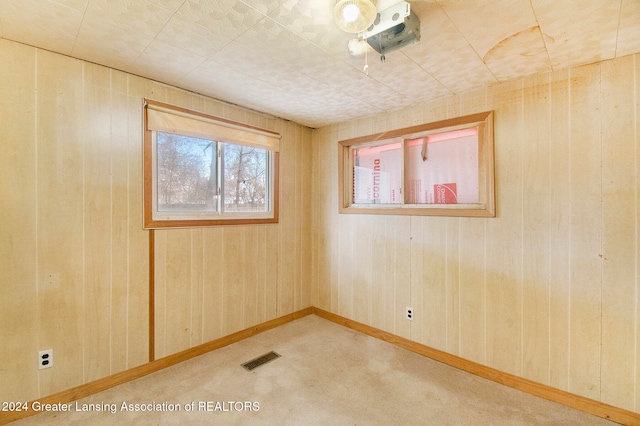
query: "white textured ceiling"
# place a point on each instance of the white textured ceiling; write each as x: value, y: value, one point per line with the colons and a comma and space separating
x: 287, y: 58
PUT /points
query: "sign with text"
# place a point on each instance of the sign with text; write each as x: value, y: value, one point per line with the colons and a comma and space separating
x: 443, y: 168
x: 377, y: 174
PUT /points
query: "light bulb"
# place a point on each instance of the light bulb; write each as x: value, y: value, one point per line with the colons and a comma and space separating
x: 354, y: 16
x: 350, y: 13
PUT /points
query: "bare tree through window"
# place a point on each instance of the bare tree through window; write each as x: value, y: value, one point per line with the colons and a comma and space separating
x: 186, y: 173
x: 244, y: 178
x: 202, y: 170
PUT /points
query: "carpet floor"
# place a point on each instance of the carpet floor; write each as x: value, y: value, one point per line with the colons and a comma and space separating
x: 326, y: 374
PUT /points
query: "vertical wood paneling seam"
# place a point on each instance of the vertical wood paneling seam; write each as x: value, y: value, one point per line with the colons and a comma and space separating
x: 128, y: 245
x: 37, y: 253
x: 165, y: 280
x: 459, y: 262
x: 263, y: 281
x: 484, y: 291
x: 602, y: 225
x: 370, y: 287
x: 191, y: 284
x: 297, y: 293
x: 297, y: 218
x: 522, y: 248
x: 278, y: 235
x: 635, y: 322
x: 570, y: 289
x: 410, y: 254
x: 243, y: 280
x: 84, y: 220
x: 222, y: 283
x: 111, y: 153
x: 243, y: 311
x: 484, y: 268
x: 152, y: 304
x: 549, y: 231
x: 202, y: 285
x: 446, y: 284
x: 548, y: 182
x: 352, y: 243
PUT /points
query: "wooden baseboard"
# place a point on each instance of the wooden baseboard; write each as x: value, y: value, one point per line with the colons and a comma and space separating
x: 568, y: 399
x: 591, y: 406
x: 105, y: 383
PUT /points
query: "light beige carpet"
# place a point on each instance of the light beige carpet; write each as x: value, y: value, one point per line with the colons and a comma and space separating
x: 326, y: 375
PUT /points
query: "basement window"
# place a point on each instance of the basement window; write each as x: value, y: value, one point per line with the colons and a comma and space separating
x: 436, y: 169
x: 201, y: 170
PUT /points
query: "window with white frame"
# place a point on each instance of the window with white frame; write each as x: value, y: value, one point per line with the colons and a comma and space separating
x: 201, y: 170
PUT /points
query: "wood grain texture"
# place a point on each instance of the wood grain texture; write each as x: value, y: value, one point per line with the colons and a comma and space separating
x: 585, y: 309
x: 18, y: 245
x: 597, y: 408
x: 78, y: 271
x: 539, y: 290
x: 452, y: 287
x: 137, y: 318
x: 504, y: 235
x: 636, y: 62
x: 429, y: 281
x: 95, y: 135
x: 594, y: 407
x: 555, y: 271
x: 119, y: 378
x: 177, y: 290
x: 536, y: 181
x: 619, y: 241
x: 470, y: 262
x: 60, y: 220
x: 287, y: 265
x: 324, y: 217
x: 211, y: 282
x: 213, y: 276
x: 119, y: 217
x: 559, y: 230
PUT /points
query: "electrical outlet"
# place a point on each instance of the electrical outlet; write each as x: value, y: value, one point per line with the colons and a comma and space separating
x: 409, y: 314
x: 45, y: 359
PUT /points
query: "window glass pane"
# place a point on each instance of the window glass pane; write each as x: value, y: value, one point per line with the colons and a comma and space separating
x: 186, y: 174
x: 442, y: 168
x: 245, y: 178
x: 377, y: 174
x: 185, y: 180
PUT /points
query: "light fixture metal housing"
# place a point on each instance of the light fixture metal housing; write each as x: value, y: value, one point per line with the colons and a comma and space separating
x: 395, y: 27
x: 354, y: 16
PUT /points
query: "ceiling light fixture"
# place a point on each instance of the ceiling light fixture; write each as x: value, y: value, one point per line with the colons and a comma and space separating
x: 354, y: 16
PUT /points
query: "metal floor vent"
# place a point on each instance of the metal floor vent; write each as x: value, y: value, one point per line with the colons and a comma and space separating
x: 261, y: 360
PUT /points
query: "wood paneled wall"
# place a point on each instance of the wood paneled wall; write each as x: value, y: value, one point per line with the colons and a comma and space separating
x: 74, y: 259
x: 548, y: 290
x: 211, y: 282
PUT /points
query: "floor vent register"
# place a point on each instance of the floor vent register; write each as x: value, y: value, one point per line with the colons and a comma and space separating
x: 261, y: 360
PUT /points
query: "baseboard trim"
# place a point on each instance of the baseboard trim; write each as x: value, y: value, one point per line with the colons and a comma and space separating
x: 568, y: 399
x: 600, y: 409
x: 108, y: 382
